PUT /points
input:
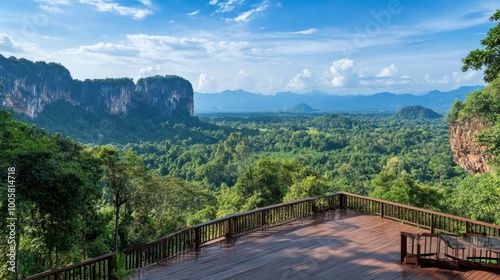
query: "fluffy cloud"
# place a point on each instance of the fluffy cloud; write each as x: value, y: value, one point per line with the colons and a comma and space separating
x: 116, y: 8
x: 386, y: 77
x: 388, y: 71
x: 303, y: 81
x: 149, y: 70
x: 206, y: 83
x: 342, y: 72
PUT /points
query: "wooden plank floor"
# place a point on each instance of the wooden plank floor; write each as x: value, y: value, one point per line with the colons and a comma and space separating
x: 347, y: 246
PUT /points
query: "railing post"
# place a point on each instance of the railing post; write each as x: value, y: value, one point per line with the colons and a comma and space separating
x: 228, y: 228
x: 404, y: 241
x: 341, y: 201
x: 418, y: 250
x: 197, y: 237
x: 432, y: 223
x: 382, y: 209
x: 111, y: 265
x: 263, y: 215
x: 312, y: 207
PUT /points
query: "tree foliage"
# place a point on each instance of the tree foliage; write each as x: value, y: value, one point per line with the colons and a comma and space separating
x: 489, y: 56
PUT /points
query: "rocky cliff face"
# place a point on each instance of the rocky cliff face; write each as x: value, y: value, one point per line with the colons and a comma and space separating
x: 465, y: 150
x: 28, y: 87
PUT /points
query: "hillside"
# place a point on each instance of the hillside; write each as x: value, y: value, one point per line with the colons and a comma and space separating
x: 416, y: 112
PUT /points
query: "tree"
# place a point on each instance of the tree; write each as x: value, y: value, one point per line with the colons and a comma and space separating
x: 56, y: 184
x: 308, y: 187
x: 394, y: 183
x: 489, y: 56
x: 477, y: 197
x: 123, y: 173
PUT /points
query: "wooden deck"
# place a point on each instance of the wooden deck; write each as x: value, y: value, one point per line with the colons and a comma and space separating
x: 339, y: 246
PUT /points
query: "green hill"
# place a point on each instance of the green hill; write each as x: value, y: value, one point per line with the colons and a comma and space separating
x: 416, y: 112
x: 301, y: 108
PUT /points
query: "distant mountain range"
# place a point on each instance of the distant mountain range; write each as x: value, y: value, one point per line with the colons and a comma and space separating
x: 243, y: 101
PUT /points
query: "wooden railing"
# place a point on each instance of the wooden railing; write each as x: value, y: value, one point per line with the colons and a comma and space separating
x: 238, y: 224
x: 197, y: 236
x: 451, y: 251
x: 158, y: 250
x: 418, y: 217
x: 96, y: 268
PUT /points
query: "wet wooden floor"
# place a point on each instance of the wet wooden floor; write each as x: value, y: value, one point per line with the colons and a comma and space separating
x: 349, y: 247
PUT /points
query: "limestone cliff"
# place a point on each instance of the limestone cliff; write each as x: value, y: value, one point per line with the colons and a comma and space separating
x: 477, y: 120
x: 28, y: 87
x: 466, y: 152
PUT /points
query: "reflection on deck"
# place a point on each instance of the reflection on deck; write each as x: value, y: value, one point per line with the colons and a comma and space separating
x: 339, y: 245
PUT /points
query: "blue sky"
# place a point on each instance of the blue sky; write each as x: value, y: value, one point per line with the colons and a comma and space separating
x: 340, y: 47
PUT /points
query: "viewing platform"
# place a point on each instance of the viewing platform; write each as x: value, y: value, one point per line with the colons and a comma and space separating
x: 338, y: 245
x: 338, y: 236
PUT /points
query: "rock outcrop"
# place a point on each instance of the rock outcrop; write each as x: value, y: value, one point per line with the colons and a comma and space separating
x: 28, y: 87
x: 466, y: 152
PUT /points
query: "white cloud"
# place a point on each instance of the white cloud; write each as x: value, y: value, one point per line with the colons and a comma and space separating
x: 206, y: 83
x: 194, y: 13
x: 342, y: 72
x: 385, y: 78
x: 186, y: 49
x: 146, y: 2
x: 302, y: 32
x: 388, y: 71
x: 116, y: 8
x: 52, y: 6
x: 226, y: 6
x: 245, y: 16
x: 53, y: 2
x: 150, y: 70
x: 427, y: 78
x: 8, y: 44
x: 463, y: 77
x: 302, y: 81
x: 116, y: 49
x: 444, y: 80
x: 455, y: 78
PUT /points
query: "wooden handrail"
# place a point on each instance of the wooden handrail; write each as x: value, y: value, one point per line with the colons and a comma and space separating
x: 107, y: 269
x: 422, y: 210
x: 195, y: 236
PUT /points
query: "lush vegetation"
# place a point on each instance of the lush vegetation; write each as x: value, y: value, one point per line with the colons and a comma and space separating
x: 76, y: 201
